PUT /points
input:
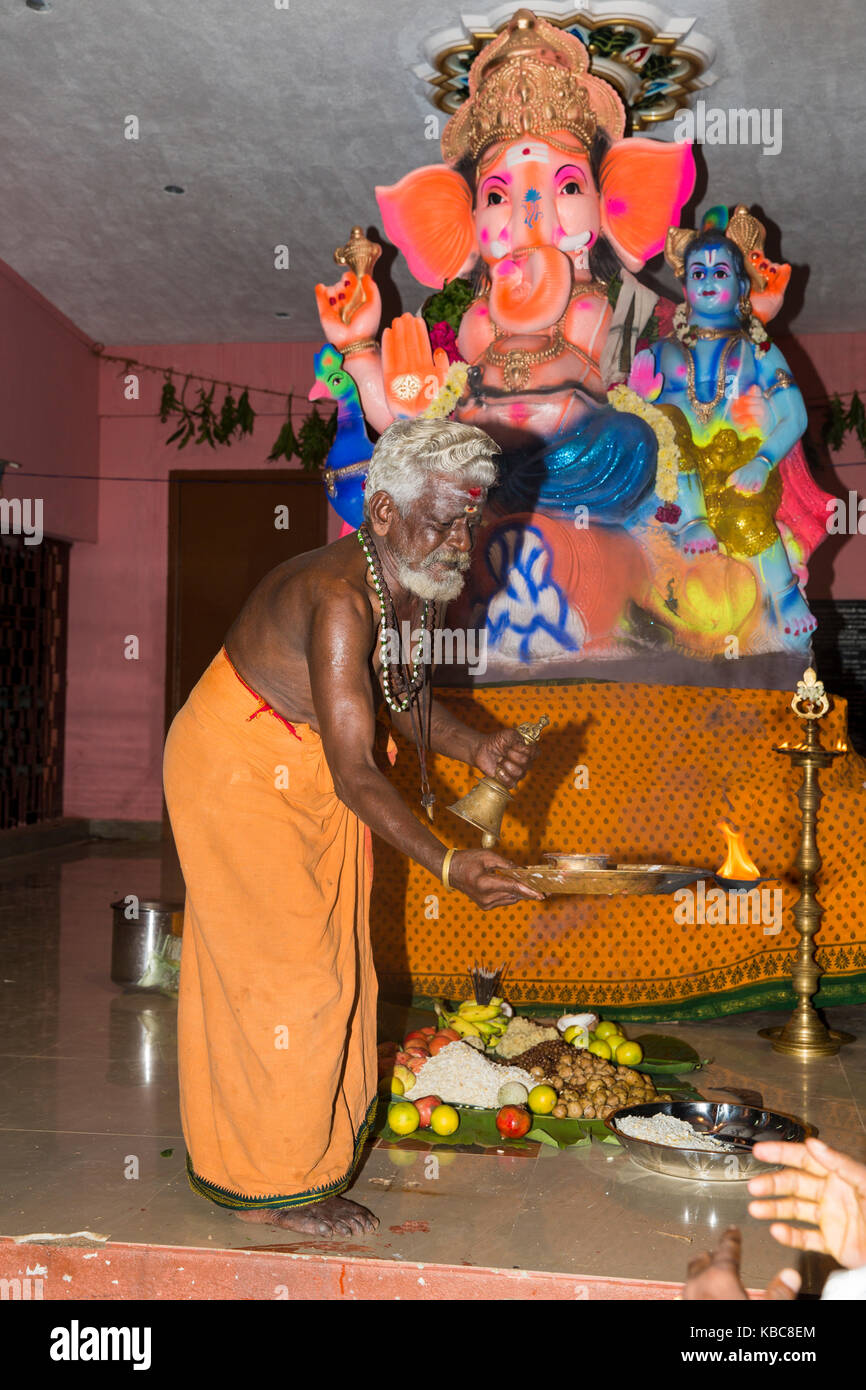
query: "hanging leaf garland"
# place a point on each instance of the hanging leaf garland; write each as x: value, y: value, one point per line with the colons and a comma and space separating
x: 246, y: 416
x: 236, y: 418
x: 835, y: 427
x: 207, y: 421
x: 838, y: 422
x: 857, y: 419
x: 226, y: 425
x: 286, y: 445
x: 315, y: 438
x: 168, y: 401
x: 186, y: 429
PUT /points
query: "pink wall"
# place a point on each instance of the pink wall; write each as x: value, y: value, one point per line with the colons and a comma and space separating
x: 119, y: 586
x: 48, y: 416
x: 114, y: 730
x: 824, y: 363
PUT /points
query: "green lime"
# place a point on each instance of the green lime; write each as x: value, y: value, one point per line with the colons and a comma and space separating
x: 605, y: 1028
x: 403, y: 1117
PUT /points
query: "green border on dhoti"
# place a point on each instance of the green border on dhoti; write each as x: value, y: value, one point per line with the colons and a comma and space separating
x: 225, y: 1198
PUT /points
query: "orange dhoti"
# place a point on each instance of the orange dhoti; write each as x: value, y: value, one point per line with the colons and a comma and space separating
x: 277, y: 1009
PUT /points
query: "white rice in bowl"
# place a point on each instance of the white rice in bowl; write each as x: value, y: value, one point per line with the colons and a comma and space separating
x: 460, y: 1075
x: 668, y: 1130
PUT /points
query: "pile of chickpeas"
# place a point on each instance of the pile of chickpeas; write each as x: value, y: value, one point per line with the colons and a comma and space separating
x: 590, y: 1088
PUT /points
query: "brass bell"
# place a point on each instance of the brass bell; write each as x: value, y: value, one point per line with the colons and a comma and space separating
x: 485, y: 805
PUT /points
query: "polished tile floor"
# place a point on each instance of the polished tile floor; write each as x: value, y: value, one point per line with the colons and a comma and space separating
x: 90, y: 1135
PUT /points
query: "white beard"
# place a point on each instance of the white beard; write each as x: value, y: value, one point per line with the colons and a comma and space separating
x: 423, y: 585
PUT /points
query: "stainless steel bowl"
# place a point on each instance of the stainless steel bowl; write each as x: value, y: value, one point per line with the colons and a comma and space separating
x: 580, y: 862
x: 703, y: 1165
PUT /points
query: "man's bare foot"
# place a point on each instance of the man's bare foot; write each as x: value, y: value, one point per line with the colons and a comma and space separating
x: 335, y: 1216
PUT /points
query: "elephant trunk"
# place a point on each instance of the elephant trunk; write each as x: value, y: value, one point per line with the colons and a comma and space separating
x: 530, y: 291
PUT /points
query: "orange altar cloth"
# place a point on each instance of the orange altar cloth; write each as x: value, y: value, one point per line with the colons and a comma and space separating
x: 643, y: 772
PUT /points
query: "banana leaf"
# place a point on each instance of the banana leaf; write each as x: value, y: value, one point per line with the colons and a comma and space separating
x: 678, y: 1090
x: 479, y: 1127
x: 664, y: 1055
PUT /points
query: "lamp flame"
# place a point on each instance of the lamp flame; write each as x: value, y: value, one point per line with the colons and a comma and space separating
x: 738, y: 864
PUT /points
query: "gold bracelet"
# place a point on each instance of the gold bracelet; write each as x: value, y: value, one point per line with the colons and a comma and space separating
x: 362, y: 345
x: 446, y: 865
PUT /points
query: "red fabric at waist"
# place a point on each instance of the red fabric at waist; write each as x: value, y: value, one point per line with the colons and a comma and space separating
x: 264, y: 707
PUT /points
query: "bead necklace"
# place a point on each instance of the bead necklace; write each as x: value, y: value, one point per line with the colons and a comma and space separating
x: 415, y: 683
x: 410, y: 684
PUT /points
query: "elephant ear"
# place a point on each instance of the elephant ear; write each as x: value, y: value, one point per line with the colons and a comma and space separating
x: 428, y: 215
x: 644, y: 184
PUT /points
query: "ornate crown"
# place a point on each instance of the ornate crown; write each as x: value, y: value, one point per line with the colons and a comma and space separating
x: 744, y: 230
x: 531, y: 80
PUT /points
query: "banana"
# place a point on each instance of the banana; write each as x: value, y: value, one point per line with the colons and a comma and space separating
x: 464, y: 1027
x: 498, y: 1024
x: 477, y: 1013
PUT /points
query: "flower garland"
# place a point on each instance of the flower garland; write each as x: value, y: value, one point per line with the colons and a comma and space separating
x: 622, y: 398
x: 449, y: 394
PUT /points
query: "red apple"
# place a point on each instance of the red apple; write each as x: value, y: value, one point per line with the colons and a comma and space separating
x: 386, y: 1049
x: 425, y: 1107
x: 438, y: 1043
x: 417, y: 1057
x: 428, y: 1032
x: 416, y: 1037
x: 513, y: 1121
x: 449, y: 1033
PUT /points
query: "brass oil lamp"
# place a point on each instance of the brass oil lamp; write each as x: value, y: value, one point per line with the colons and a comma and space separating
x: 805, y: 1036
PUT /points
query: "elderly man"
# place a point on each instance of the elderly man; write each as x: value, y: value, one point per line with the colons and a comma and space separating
x: 270, y: 782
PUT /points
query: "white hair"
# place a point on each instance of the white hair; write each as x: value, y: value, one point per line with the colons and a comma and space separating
x: 409, y: 452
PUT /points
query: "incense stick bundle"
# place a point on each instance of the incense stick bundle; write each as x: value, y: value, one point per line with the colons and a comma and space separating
x: 487, y: 981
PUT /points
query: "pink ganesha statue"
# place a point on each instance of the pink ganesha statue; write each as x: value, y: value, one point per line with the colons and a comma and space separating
x: 549, y: 212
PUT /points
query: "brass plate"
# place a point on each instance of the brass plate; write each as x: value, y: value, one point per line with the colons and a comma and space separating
x: 625, y: 878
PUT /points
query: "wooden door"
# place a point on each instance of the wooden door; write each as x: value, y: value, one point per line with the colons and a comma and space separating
x: 225, y: 532
x: 33, y: 622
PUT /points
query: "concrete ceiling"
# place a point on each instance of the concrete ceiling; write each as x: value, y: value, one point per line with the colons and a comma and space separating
x: 278, y: 123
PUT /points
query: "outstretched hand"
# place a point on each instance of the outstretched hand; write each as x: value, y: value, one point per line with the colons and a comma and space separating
x: 364, y: 322
x: 716, y: 1275
x: 643, y: 378
x: 820, y: 1186
x: 473, y: 871
x: 767, y: 302
x: 412, y: 371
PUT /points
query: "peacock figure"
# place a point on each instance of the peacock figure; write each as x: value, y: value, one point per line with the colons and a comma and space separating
x: 345, y: 471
